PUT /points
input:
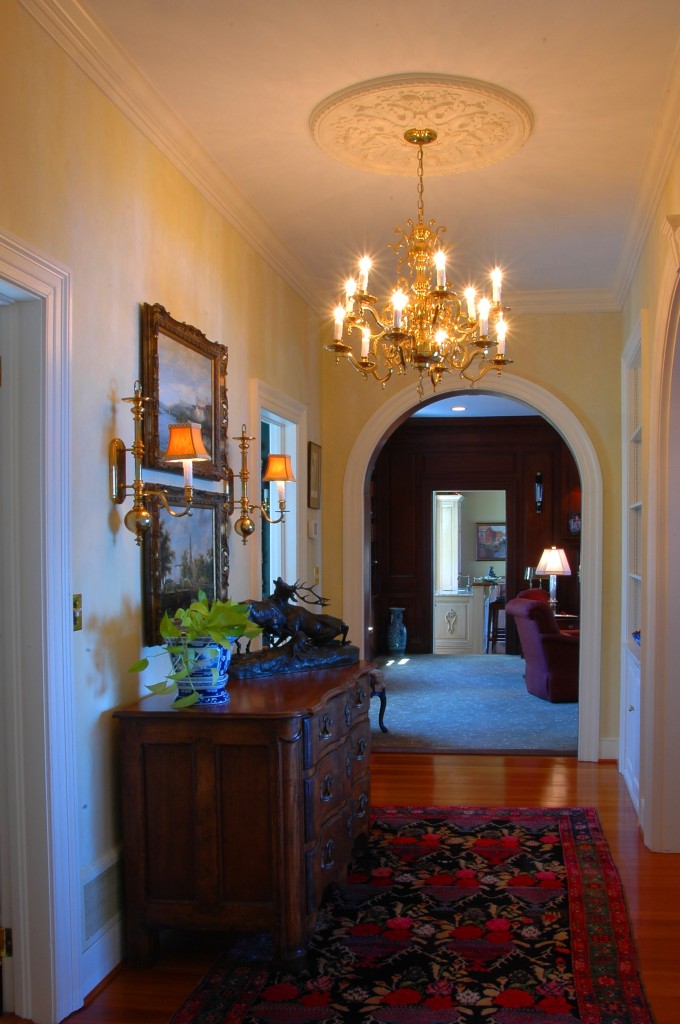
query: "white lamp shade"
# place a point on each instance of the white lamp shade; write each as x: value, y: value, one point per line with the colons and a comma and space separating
x: 553, y: 562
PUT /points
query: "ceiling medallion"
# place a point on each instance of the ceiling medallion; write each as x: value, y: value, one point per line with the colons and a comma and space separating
x: 477, y: 124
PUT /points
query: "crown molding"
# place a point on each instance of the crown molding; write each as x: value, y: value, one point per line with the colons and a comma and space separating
x: 665, y: 144
x: 98, y: 55
x: 110, y: 68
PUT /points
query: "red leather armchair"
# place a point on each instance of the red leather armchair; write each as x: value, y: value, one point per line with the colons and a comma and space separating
x: 551, y: 656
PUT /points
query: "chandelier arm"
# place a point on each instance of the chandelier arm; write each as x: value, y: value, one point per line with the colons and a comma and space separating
x: 370, y: 311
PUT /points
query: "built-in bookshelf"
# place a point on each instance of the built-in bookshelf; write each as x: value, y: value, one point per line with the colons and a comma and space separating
x: 631, y: 618
x: 634, y: 507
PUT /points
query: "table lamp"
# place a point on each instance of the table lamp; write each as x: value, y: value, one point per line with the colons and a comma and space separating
x: 553, y: 563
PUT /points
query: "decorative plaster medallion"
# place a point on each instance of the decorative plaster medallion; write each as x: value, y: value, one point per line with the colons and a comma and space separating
x: 477, y: 124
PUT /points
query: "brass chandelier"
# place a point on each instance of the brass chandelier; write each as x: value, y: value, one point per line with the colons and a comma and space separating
x: 424, y: 324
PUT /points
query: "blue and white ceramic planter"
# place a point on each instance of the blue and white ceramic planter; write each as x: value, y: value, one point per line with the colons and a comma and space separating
x: 211, y: 686
x: 396, y: 632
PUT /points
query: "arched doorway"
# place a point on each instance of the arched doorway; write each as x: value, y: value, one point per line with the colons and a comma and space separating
x: 567, y: 424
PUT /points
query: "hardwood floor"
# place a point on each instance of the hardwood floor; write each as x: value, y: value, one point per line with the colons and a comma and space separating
x: 651, y: 880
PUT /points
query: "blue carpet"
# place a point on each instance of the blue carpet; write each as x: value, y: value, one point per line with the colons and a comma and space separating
x: 468, y: 703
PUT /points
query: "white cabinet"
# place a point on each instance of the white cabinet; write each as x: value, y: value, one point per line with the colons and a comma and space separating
x: 629, y: 753
x: 459, y: 622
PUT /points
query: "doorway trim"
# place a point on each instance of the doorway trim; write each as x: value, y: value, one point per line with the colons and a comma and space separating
x: 384, y: 421
x: 660, y: 698
x: 39, y: 765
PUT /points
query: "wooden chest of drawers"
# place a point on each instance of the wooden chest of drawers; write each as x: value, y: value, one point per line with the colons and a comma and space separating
x: 241, y: 816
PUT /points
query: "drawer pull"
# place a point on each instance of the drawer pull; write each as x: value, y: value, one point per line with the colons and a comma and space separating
x: 327, y: 789
x: 361, y: 696
x: 349, y: 825
x: 348, y: 715
x: 361, y: 749
x: 348, y: 766
x: 328, y: 855
x: 326, y: 730
x: 362, y: 806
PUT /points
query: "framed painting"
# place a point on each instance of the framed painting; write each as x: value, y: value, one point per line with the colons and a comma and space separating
x: 313, y: 475
x: 184, y: 376
x: 183, y: 555
x: 491, y: 542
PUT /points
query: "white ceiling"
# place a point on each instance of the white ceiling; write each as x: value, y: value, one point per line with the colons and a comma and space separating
x: 564, y: 214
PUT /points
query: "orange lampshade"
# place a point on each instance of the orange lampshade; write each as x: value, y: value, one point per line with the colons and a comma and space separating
x: 278, y: 467
x: 184, y: 443
x: 553, y: 562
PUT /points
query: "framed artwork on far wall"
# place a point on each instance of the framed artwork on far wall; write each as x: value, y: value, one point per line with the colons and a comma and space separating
x: 491, y: 542
x: 184, y: 376
x: 182, y: 556
x: 314, y: 475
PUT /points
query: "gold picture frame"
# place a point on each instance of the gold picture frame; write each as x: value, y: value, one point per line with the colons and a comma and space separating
x: 183, y: 555
x: 313, y: 475
x: 184, y: 376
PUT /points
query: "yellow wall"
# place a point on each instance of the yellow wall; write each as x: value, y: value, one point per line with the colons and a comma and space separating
x: 81, y: 184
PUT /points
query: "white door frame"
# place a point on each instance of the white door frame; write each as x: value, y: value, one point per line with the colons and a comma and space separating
x: 660, y: 655
x: 38, y: 803
x: 264, y: 398
x: 382, y: 424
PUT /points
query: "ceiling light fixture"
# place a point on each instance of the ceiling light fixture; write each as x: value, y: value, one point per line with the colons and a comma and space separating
x: 424, y: 324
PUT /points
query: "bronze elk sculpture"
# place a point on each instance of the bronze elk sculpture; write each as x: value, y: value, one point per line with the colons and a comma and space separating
x: 283, y: 621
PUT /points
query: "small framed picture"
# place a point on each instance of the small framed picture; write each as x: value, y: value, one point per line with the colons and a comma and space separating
x: 185, y: 378
x: 183, y: 555
x: 314, y: 475
x: 491, y: 542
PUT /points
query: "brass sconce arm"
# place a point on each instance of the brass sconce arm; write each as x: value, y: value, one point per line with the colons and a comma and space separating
x: 278, y: 469
x: 184, y: 446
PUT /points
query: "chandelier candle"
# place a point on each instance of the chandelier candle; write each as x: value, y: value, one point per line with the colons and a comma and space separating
x: 423, y: 325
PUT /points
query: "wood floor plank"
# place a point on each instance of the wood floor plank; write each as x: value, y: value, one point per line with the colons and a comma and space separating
x: 651, y: 880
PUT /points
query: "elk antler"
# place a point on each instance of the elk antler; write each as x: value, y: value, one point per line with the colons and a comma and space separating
x: 317, y: 599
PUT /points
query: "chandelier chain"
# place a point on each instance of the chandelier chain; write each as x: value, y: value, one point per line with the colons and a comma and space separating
x: 421, y: 185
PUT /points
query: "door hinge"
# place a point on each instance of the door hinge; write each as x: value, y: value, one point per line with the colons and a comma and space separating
x: 5, y: 942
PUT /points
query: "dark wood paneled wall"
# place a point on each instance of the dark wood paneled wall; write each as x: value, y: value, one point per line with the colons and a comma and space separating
x: 426, y: 455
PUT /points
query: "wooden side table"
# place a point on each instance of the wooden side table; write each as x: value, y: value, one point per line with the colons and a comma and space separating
x: 240, y: 816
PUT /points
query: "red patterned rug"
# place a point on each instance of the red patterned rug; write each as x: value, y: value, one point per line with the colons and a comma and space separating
x: 452, y: 916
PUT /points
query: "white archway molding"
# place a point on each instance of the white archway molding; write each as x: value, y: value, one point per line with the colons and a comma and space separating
x: 572, y: 430
x: 660, y: 710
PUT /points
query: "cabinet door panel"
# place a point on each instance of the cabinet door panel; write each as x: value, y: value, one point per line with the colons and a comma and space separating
x: 247, y: 841
x: 171, y: 852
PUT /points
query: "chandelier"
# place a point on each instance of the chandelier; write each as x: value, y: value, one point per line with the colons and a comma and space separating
x: 424, y: 324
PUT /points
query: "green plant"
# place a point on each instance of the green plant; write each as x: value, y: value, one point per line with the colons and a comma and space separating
x: 221, y: 621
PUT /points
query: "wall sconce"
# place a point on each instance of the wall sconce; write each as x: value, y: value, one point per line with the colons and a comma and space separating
x: 538, y: 492
x: 278, y: 469
x: 553, y: 563
x: 185, y: 445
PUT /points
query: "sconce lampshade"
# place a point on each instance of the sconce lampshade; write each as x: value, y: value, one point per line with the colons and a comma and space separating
x: 553, y: 562
x: 278, y: 467
x: 184, y: 443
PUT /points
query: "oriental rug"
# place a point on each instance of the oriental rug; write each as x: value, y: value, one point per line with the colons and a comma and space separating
x: 452, y: 916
